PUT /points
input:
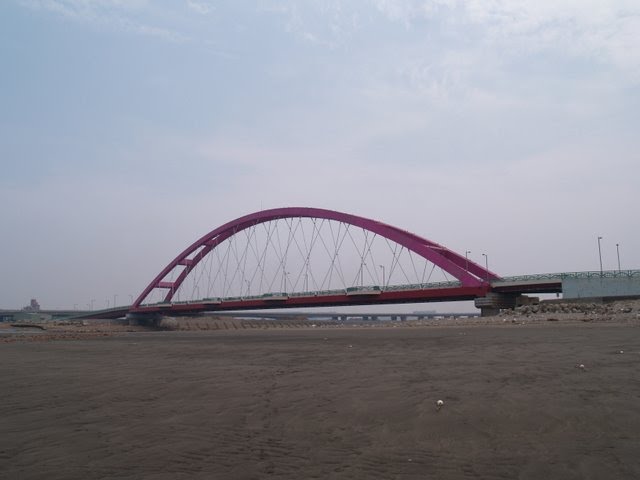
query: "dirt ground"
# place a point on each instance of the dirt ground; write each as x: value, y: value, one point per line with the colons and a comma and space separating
x: 302, y: 403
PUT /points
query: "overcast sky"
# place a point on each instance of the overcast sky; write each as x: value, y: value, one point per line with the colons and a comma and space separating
x: 129, y: 128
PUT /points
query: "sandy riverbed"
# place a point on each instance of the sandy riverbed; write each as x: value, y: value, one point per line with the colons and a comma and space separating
x: 326, y: 403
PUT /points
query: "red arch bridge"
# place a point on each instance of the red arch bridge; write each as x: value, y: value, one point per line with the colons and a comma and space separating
x: 310, y: 257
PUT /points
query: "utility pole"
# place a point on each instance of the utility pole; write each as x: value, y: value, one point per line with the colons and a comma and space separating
x: 600, y: 254
x: 486, y: 263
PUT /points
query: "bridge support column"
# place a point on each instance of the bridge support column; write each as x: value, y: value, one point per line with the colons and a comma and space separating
x: 494, y: 302
x: 144, y: 319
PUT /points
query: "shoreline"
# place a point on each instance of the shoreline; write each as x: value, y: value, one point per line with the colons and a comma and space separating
x: 338, y: 403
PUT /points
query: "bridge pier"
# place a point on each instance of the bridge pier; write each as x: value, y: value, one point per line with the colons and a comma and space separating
x: 144, y: 319
x: 489, y: 311
x: 493, y: 302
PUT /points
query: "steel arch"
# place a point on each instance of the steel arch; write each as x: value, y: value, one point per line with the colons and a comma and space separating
x: 468, y: 272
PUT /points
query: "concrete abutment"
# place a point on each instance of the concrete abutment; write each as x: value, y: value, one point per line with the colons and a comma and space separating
x: 491, y: 304
x: 144, y: 319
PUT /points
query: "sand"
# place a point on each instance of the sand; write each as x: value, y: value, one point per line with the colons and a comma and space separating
x: 325, y: 403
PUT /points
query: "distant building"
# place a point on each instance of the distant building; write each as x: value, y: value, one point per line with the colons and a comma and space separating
x: 33, y: 306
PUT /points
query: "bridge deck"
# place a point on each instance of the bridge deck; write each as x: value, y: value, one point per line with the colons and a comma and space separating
x: 330, y: 300
x: 368, y: 295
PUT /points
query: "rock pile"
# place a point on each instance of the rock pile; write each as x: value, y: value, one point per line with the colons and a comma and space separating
x: 619, y: 311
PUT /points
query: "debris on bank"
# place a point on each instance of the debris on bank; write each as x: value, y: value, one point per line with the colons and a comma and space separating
x: 28, y: 325
x: 625, y: 311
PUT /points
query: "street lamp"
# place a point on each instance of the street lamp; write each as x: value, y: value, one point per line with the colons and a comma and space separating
x: 284, y: 278
x: 466, y: 256
x: 486, y: 264
x: 618, y: 252
x: 115, y: 295
x: 362, y: 264
x: 383, y: 277
x: 600, y: 254
x: 306, y: 273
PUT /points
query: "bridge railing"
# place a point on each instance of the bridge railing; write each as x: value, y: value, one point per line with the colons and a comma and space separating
x: 558, y: 276
x: 563, y: 275
x: 423, y: 286
x: 319, y: 293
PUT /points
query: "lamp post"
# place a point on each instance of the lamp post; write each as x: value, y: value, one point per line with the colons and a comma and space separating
x: 486, y: 264
x: 362, y: 264
x: 115, y: 295
x: 284, y: 278
x: 600, y: 254
x: 383, y: 277
x: 466, y: 257
x: 618, y: 252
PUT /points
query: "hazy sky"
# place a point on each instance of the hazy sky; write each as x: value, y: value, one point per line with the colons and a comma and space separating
x: 129, y: 128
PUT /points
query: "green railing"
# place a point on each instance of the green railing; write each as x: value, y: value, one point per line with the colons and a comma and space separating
x: 563, y: 275
x: 423, y: 286
x: 315, y: 293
